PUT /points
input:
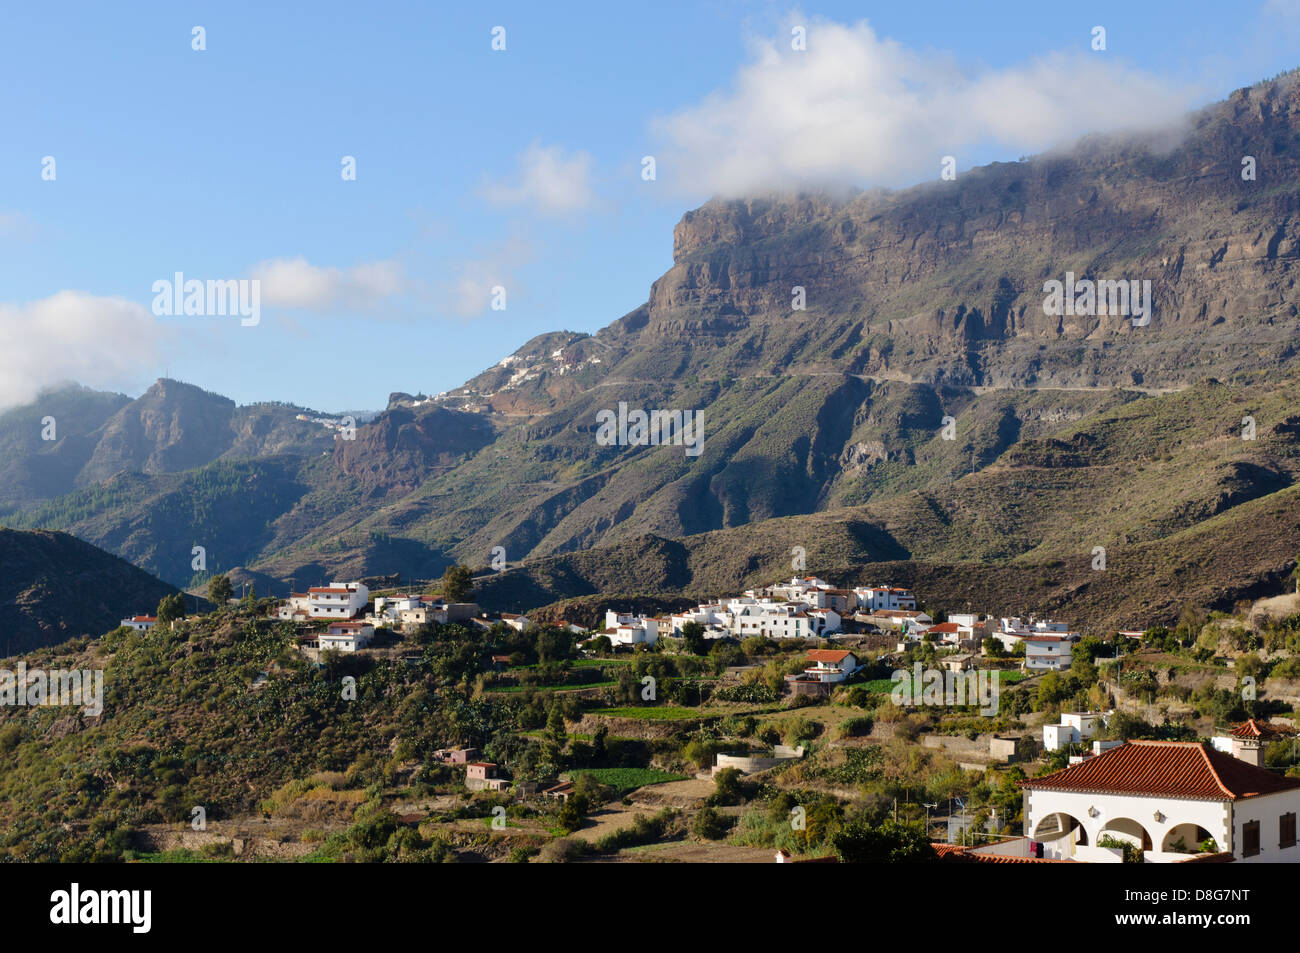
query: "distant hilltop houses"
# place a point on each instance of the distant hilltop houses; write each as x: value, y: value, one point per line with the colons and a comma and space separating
x: 802, y: 608
x: 352, y: 617
x: 811, y: 608
x: 329, y: 422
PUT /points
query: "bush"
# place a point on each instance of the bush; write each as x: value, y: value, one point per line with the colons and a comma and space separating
x: 563, y: 849
x: 890, y: 842
x: 710, y: 825
x: 755, y: 692
x: 856, y: 727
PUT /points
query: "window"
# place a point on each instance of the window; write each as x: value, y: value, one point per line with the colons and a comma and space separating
x: 1287, y: 825
x: 1250, y: 839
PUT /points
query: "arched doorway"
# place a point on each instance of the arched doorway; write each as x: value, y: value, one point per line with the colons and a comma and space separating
x: 1127, y: 829
x: 1060, y: 833
x: 1184, y: 839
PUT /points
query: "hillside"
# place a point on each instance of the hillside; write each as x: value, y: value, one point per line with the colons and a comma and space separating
x: 923, y: 305
x: 54, y: 587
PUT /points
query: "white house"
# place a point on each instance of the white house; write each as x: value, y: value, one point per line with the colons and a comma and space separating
x: 389, y: 609
x: 745, y: 616
x: 520, y: 623
x: 948, y: 633
x: 830, y: 665
x: 297, y: 607
x: 1048, y: 653
x: 346, y: 636
x: 969, y: 626
x: 873, y: 598
x: 141, y: 623
x: 1075, y: 727
x: 1167, y: 798
x: 624, y: 629
x: 338, y: 600
x: 1012, y: 630
x: 911, y: 623
x: 807, y: 589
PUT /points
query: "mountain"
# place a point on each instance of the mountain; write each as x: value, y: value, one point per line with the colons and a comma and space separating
x: 921, y: 410
x: 170, y: 428
x: 54, y: 587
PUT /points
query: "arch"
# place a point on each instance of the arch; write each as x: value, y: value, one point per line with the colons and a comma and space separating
x: 1191, y: 835
x: 1058, y: 825
x: 1127, y: 829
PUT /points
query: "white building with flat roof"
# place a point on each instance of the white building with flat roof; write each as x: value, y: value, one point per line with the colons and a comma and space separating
x: 338, y: 600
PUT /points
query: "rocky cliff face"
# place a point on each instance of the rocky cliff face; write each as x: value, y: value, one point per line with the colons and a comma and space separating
x: 401, y: 447
x: 945, y: 281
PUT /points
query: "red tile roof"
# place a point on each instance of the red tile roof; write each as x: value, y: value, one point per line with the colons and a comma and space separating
x: 957, y: 853
x: 1185, y: 769
x: 944, y: 627
x: 1255, y: 729
x: 829, y: 655
x: 144, y: 618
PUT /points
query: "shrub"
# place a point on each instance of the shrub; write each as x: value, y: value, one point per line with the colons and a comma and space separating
x: 710, y: 825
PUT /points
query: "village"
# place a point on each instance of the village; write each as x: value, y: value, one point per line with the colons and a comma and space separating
x: 725, y: 677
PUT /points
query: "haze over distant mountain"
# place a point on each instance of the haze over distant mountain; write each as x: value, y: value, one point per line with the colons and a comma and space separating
x: 822, y: 426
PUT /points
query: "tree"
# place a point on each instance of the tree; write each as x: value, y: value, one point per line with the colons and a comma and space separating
x: 693, y: 635
x: 220, y: 590
x: 890, y: 842
x: 710, y: 825
x: 457, y: 584
x: 170, y: 608
x: 555, y: 726
x: 571, y: 814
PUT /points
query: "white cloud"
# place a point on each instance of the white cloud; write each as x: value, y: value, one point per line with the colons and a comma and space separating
x: 297, y: 283
x: 856, y: 108
x: 469, y: 292
x: 74, y: 336
x: 548, y: 180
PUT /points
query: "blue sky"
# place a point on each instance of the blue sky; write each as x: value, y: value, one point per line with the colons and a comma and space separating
x: 477, y: 168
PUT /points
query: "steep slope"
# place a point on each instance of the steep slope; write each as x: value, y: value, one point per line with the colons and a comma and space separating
x: 44, y: 445
x: 54, y: 587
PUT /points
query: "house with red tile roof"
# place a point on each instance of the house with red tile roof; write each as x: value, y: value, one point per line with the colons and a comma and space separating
x: 1246, y: 741
x: 338, y: 600
x: 141, y: 623
x: 1165, y: 798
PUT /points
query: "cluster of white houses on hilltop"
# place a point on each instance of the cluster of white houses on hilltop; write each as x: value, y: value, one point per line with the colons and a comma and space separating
x: 812, y: 608
x: 351, y: 622
x: 803, y: 608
